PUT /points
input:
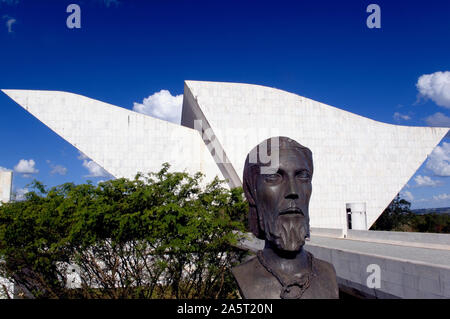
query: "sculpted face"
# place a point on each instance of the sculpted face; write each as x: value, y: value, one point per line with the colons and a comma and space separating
x: 282, y: 200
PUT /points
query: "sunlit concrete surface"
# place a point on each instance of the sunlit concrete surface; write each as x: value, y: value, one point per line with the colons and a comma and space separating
x: 121, y: 141
x: 356, y: 159
x: 5, y: 186
x: 411, y: 265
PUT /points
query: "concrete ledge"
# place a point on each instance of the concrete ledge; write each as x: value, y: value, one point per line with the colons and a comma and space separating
x: 326, y: 232
x: 404, y: 272
x: 432, y: 240
x: 398, y: 278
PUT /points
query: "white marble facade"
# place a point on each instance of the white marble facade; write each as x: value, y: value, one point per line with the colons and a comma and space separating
x: 121, y: 141
x: 356, y: 159
x: 5, y: 186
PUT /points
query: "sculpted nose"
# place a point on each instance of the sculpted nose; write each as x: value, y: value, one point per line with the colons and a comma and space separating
x: 291, y: 196
x: 292, y: 190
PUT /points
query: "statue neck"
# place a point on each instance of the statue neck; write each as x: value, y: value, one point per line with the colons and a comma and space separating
x: 288, y: 262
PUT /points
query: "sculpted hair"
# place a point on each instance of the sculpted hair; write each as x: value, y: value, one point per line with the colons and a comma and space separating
x: 252, y: 170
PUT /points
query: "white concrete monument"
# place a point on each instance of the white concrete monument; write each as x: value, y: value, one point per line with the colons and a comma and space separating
x: 121, y: 141
x: 356, y: 159
x: 5, y: 186
x: 356, y: 216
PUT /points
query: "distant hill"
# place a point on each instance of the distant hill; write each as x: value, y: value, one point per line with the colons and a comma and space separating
x: 440, y: 210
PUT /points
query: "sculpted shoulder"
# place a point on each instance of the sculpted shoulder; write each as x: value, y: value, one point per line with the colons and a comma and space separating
x: 253, y: 280
x: 326, y: 278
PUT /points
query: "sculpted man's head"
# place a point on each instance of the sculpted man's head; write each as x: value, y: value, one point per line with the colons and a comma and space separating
x: 277, y: 184
x: 278, y: 191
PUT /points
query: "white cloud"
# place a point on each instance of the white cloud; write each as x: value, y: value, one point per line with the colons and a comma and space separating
x: 439, y: 160
x: 398, y: 116
x: 441, y: 197
x: 4, y: 169
x: 26, y: 167
x: 438, y: 119
x: 162, y: 105
x: 94, y: 169
x: 435, y: 86
x: 408, y: 196
x: 20, y: 194
x: 9, y: 22
x: 82, y: 156
x: 58, y: 169
x: 425, y: 181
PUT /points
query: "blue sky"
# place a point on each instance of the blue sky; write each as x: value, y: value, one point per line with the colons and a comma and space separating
x: 127, y: 51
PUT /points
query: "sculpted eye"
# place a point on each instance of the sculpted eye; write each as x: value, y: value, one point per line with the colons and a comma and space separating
x: 304, y: 174
x: 272, y: 178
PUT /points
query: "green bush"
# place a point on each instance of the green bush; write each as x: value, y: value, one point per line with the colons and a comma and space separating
x: 399, y: 217
x: 158, y: 236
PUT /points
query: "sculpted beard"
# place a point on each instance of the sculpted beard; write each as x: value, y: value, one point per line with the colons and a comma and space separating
x: 289, y: 232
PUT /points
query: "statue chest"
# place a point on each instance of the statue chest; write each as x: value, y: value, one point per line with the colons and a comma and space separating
x: 256, y: 282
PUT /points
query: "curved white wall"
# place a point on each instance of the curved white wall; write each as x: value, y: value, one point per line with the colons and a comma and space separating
x: 356, y: 159
x: 123, y: 142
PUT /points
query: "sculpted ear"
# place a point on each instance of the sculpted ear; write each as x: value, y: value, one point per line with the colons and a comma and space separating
x: 254, y: 221
x: 261, y: 225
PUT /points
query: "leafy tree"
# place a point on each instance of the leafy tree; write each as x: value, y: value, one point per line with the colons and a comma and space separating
x: 161, y: 235
x: 432, y: 222
x: 398, y: 217
x: 395, y: 216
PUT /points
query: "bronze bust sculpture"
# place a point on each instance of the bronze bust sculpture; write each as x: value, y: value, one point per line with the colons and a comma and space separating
x: 278, y: 197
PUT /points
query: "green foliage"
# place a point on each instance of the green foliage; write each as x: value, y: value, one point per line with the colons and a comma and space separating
x: 394, y: 216
x: 398, y: 217
x: 431, y: 223
x: 157, y: 236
